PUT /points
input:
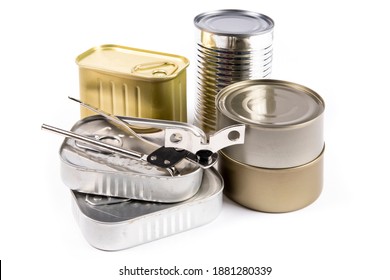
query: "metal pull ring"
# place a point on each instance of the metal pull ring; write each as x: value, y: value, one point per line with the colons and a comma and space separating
x: 159, y: 68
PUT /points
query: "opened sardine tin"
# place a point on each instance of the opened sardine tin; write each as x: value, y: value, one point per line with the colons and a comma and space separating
x: 127, y: 224
x: 90, y: 170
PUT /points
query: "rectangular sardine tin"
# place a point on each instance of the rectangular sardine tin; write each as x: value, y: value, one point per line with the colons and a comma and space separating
x: 127, y: 224
x: 90, y: 170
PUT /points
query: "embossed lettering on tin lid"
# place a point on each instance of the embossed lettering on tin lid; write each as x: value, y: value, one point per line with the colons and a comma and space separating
x: 234, y: 22
x: 270, y: 103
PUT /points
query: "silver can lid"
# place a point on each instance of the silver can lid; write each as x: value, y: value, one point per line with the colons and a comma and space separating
x: 234, y: 22
x: 269, y: 103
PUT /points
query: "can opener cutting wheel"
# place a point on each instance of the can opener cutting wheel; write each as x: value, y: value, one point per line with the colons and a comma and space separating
x: 181, y: 140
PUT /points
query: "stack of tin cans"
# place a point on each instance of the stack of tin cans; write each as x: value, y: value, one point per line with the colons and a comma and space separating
x: 279, y: 168
x: 120, y: 202
x: 232, y: 45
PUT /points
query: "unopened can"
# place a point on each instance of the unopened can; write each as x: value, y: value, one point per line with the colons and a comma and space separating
x: 279, y: 168
x: 272, y: 190
x: 284, y: 122
x: 133, y: 82
x: 232, y: 45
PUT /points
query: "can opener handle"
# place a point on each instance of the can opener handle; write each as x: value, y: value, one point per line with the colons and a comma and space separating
x: 198, y: 150
x: 183, y: 139
x: 188, y: 141
x: 180, y: 141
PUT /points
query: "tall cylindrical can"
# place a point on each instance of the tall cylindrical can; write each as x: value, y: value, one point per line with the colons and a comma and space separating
x: 232, y: 45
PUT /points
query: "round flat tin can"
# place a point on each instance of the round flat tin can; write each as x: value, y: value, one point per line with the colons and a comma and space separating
x: 284, y: 122
x: 272, y: 190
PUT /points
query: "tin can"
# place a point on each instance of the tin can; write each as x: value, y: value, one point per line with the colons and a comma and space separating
x: 133, y: 82
x: 89, y: 170
x: 232, y: 45
x: 284, y: 122
x: 272, y: 190
x: 122, y: 225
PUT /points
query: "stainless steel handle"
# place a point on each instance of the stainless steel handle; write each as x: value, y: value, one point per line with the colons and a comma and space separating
x: 96, y: 143
x: 183, y: 139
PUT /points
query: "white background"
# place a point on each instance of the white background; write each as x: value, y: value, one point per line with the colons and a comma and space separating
x: 338, y: 48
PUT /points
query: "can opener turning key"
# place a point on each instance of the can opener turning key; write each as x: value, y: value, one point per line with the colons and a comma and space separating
x: 181, y: 140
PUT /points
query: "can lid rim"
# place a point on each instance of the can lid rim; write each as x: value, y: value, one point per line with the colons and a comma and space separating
x: 200, y: 21
x: 221, y: 100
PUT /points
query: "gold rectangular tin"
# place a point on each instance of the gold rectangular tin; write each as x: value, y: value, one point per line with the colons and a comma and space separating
x: 133, y: 82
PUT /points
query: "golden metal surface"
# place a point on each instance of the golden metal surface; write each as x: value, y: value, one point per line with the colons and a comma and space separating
x: 133, y: 82
x: 272, y: 190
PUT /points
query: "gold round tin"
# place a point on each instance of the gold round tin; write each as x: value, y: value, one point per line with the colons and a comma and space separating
x: 133, y: 82
x: 272, y: 190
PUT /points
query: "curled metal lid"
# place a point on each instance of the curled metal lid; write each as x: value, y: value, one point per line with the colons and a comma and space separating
x: 234, y: 22
x: 269, y: 103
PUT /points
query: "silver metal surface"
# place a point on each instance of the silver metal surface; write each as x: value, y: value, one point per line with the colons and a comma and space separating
x: 189, y: 137
x: 87, y: 169
x: 232, y: 46
x: 178, y: 138
x: 234, y: 29
x: 123, y: 125
x: 123, y: 225
x: 284, y: 122
x: 96, y: 200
